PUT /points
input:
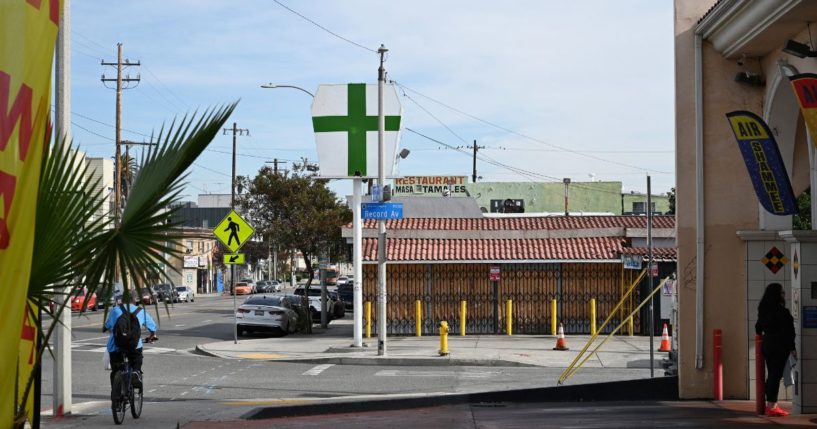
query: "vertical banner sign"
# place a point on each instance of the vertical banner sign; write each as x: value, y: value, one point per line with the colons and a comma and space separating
x: 764, y: 163
x: 27, y: 40
x: 344, y: 118
x: 805, y: 88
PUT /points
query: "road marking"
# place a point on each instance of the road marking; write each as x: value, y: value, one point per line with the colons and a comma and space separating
x: 148, y: 351
x: 91, y: 339
x: 179, y: 326
x: 260, y: 356
x: 151, y: 390
x: 319, y: 369
x: 206, y: 321
x: 184, y: 393
x: 465, y: 374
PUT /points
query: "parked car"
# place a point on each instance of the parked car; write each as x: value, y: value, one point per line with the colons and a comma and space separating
x: 315, y: 302
x: 266, y: 313
x: 149, y: 296
x: 251, y: 283
x: 296, y: 304
x: 268, y: 286
x: 346, y: 294
x: 186, y: 293
x: 339, y: 307
x: 167, y: 293
x: 342, y: 280
x: 79, y: 298
x: 243, y: 288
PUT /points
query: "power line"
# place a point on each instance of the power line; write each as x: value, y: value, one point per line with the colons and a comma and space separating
x: 168, y: 88
x: 525, y: 136
x: 324, y: 28
x: 212, y: 170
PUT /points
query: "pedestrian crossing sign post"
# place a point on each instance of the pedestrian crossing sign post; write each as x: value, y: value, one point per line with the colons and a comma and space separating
x: 234, y: 259
x: 233, y: 231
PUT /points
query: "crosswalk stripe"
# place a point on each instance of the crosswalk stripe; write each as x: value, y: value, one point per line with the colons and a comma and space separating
x: 319, y: 369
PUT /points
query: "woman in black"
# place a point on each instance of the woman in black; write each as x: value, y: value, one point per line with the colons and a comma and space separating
x: 776, y: 325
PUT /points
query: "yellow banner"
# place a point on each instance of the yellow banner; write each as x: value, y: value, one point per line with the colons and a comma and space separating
x: 26, y: 358
x: 805, y: 88
x: 29, y: 32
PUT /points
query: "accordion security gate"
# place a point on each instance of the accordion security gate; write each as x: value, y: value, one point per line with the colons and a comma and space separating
x: 441, y: 287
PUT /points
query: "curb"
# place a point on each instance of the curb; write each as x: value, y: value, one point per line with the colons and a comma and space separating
x: 383, y: 361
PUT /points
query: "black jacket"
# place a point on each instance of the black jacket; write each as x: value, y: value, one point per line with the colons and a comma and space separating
x: 777, y: 327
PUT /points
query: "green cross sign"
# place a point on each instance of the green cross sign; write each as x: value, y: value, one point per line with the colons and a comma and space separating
x: 356, y: 124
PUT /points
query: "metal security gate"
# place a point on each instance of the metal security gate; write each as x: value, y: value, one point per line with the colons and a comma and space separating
x: 532, y: 287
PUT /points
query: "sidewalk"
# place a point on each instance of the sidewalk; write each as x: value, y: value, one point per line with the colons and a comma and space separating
x: 333, y: 345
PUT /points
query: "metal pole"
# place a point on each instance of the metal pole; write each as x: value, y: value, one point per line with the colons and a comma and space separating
x: 232, y: 267
x: 357, y: 250
x: 381, y: 224
x: 62, y: 388
x: 566, y: 181
x: 324, y: 313
x: 649, y: 265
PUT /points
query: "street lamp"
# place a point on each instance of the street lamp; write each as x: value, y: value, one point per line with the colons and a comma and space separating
x: 274, y: 86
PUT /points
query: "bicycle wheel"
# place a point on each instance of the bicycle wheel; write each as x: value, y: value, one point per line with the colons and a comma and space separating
x: 118, y: 399
x: 136, y: 402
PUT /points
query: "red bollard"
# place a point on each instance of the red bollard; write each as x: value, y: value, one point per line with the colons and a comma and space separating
x: 760, y: 377
x: 717, y: 369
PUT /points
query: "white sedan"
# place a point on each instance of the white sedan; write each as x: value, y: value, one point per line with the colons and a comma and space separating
x: 266, y: 313
x: 186, y: 294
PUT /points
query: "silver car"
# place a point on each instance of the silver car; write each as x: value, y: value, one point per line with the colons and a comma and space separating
x: 186, y: 294
x: 266, y: 313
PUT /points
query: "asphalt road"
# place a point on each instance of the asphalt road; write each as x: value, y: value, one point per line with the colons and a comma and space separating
x: 181, y: 386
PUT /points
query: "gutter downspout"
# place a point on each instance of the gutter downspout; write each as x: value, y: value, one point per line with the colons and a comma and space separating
x: 699, y: 206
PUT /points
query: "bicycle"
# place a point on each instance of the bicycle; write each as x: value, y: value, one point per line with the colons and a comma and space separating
x: 124, y: 394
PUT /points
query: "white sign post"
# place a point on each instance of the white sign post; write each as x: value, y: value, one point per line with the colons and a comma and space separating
x: 357, y: 133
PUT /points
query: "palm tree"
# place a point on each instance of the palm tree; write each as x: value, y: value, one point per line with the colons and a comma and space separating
x: 76, y: 250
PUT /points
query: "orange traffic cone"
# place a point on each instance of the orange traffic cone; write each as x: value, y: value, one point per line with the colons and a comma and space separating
x: 561, y: 344
x: 665, y: 345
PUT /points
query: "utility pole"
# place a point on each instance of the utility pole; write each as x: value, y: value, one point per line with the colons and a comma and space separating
x: 236, y: 132
x: 275, y: 163
x: 649, y: 274
x: 381, y: 224
x: 128, y: 178
x: 117, y: 180
x: 566, y: 181
x: 476, y: 149
x: 62, y: 398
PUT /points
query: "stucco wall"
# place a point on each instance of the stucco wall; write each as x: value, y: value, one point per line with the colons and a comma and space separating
x: 604, y: 197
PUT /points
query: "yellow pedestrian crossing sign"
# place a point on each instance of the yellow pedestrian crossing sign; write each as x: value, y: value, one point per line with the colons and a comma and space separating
x: 234, y: 259
x: 233, y: 231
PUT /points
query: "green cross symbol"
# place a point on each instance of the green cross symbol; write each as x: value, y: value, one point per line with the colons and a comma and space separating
x: 356, y: 123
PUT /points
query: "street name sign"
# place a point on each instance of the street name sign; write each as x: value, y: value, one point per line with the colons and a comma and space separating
x: 233, y: 231
x: 382, y: 210
x: 234, y: 259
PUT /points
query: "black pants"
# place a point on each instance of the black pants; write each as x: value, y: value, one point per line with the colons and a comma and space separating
x: 118, y: 362
x: 775, y: 363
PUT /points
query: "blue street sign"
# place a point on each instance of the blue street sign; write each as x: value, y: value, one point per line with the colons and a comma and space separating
x: 377, y: 193
x: 382, y: 210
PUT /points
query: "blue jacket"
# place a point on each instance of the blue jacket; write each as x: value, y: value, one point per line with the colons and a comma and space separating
x: 144, y: 320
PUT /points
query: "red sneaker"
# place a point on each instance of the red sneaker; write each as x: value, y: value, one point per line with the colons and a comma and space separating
x: 776, y: 412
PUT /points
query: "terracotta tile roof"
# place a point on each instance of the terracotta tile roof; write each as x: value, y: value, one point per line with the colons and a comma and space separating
x: 525, y: 223
x: 434, y: 250
x: 660, y: 253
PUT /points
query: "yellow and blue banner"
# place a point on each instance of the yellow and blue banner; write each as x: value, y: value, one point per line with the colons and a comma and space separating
x: 27, y: 39
x: 763, y: 162
x: 805, y: 88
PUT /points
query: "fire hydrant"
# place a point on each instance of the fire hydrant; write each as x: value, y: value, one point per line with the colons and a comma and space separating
x: 443, y: 338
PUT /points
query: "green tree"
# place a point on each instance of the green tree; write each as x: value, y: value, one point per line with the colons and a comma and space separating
x: 298, y: 211
x: 76, y: 250
x: 671, y: 197
x: 802, y: 219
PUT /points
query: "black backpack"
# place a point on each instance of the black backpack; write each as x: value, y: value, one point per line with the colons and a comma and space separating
x: 127, y: 330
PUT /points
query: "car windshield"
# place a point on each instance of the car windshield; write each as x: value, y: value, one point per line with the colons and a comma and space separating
x: 264, y: 300
x: 163, y: 287
x: 181, y: 289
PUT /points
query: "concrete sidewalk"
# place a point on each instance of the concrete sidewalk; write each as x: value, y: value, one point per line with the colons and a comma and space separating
x: 333, y: 345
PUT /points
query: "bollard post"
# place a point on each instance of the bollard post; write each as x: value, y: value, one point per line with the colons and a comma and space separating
x: 630, y: 325
x: 509, y: 316
x: 418, y: 318
x: 462, y: 317
x: 760, y: 377
x: 443, y: 338
x: 717, y: 366
x: 592, y: 316
x: 553, y: 316
x: 368, y: 319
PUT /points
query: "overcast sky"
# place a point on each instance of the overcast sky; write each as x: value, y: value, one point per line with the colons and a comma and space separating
x: 551, y: 88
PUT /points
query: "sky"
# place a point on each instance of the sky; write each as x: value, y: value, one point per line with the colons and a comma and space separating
x: 552, y: 89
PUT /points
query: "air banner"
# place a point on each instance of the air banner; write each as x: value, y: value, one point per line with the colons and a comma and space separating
x: 805, y: 88
x: 27, y: 39
x: 763, y: 162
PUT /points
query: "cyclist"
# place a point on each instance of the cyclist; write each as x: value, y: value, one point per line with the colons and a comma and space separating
x: 135, y: 355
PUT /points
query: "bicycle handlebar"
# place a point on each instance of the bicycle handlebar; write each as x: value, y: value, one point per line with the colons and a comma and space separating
x: 151, y: 339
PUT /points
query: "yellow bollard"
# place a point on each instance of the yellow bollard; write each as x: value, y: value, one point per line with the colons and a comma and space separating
x: 630, y: 325
x: 592, y: 316
x: 368, y: 319
x: 553, y: 316
x: 443, y: 338
x: 509, y: 316
x: 418, y: 318
x: 462, y: 318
